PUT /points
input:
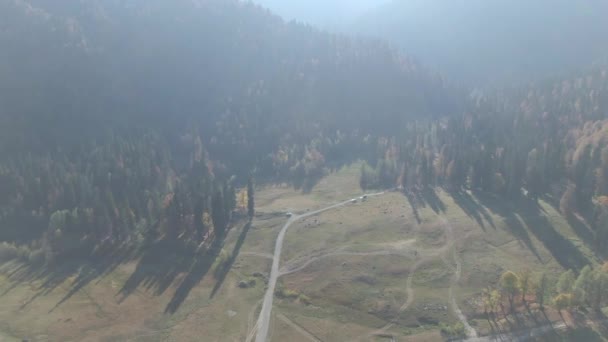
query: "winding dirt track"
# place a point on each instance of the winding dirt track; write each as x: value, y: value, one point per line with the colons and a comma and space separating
x: 290, y: 270
x: 410, y: 298
x: 409, y: 290
x: 470, y: 331
x: 263, y: 322
x: 449, y: 245
x: 261, y: 328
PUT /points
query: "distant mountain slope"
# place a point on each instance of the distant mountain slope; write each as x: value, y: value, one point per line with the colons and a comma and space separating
x: 325, y: 14
x: 486, y: 40
x: 196, y: 60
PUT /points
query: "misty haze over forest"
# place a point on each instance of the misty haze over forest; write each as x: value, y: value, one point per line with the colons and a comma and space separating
x: 363, y: 170
x: 476, y: 42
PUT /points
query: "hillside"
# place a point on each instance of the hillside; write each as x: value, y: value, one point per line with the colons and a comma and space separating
x: 542, y: 141
x: 99, y: 88
x: 192, y: 60
x: 187, y: 169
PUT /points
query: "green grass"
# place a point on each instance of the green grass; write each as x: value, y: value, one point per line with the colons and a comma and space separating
x: 433, y: 275
x: 335, y: 298
x: 579, y: 334
x: 508, y: 238
x: 363, y: 223
x: 7, y: 338
x: 504, y: 237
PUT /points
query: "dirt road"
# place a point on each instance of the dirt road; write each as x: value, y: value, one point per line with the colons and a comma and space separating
x: 263, y: 323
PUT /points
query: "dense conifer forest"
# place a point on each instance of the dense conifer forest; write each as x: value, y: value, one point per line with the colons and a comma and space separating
x: 143, y: 140
x: 119, y: 118
x: 124, y: 118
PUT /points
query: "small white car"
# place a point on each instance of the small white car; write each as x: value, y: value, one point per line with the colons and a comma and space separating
x: 289, y: 214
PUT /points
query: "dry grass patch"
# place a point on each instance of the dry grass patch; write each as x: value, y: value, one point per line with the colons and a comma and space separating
x: 336, y: 187
x: 378, y: 220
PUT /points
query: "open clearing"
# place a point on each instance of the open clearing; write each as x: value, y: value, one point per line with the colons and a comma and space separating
x: 389, y: 267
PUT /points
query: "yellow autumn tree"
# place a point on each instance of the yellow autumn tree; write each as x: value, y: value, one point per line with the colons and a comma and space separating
x: 562, y: 301
x: 241, y: 199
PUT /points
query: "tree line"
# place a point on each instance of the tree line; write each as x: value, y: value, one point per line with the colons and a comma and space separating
x: 546, y: 141
x: 587, y: 290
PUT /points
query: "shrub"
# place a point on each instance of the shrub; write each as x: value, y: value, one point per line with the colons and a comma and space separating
x: 304, y: 299
x: 452, y: 331
x: 284, y: 293
x: 563, y: 301
x: 37, y: 257
x: 9, y: 251
x: 290, y: 294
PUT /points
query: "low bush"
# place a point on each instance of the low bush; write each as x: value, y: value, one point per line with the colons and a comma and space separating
x: 304, y: 299
x: 452, y: 331
x: 9, y: 251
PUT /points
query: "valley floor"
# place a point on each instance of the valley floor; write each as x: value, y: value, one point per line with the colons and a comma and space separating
x: 391, y: 267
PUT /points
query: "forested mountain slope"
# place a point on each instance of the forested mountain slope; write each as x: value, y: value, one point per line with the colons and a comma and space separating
x: 199, y: 60
x: 121, y: 117
x: 132, y: 133
x: 546, y: 140
x: 484, y: 42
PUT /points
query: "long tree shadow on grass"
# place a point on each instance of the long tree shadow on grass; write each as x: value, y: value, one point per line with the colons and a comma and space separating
x: 561, y: 248
x: 536, y: 222
x: 429, y: 196
x: 160, y: 263
x: 585, y: 233
x: 222, y: 271
x: 107, y: 261
x: 163, y: 261
x: 86, y: 267
x: 166, y: 259
x: 411, y: 199
x: 199, y: 268
x: 51, y: 276
x: 421, y: 198
x: 513, y: 222
x: 472, y: 208
x: 521, y: 326
x: 580, y: 227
